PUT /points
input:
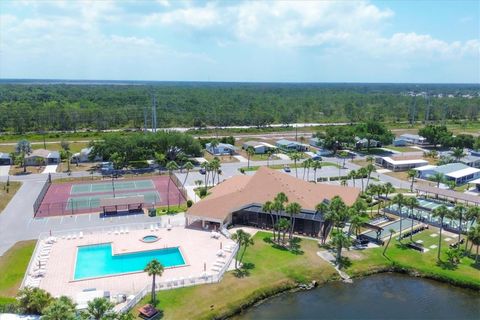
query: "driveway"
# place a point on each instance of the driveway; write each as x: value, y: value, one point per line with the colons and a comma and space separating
x: 51, y: 168
x: 241, y: 158
x: 282, y: 156
x: 4, y: 170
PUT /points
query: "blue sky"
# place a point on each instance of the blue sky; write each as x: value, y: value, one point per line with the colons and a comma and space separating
x: 277, y: 41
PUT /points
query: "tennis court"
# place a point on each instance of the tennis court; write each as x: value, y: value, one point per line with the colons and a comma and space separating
x: 108, y: 186
x: 90, y: 202
x: 69, y: 198
x: 395, y: 225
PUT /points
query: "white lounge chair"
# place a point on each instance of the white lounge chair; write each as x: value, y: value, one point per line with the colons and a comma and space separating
x: 218, y: 264
x: 80, y: 235
x: 74, y: 236
x: 151, y: 228
x: 115, y: 232
x: 216, y: 269
x: 126, y: 230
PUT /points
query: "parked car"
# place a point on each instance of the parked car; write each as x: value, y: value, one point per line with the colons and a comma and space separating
x: 287, y: 169
x: 203, y: 171
x: 317, y: 157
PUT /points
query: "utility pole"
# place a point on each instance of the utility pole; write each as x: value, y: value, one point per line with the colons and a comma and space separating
x: 144, y: 118
x: 113, y: 185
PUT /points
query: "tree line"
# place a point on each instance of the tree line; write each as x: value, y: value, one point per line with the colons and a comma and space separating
x: 62, y: 107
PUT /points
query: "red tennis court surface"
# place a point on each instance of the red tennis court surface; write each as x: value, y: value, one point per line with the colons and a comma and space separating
x: 58, y: 199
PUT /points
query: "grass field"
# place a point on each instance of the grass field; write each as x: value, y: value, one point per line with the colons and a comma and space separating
x: 74, y: 146
x: 371, y: 260
x: 274, y: 269
x: 6, y: 197
x: 13, y: 265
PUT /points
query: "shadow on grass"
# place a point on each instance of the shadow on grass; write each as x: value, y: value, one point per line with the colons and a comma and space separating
x: 345, y: 262
x: 294, y: 246
x: 447, y: 265
x: 244, y: 271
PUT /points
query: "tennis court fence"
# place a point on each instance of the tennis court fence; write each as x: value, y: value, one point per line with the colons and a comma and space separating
x: 41, y: 196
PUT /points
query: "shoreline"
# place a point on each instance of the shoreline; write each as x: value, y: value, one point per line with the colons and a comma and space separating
x: 392, y: 269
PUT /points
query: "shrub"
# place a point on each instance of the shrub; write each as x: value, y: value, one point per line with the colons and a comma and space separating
x: 189, y: 203
x: 203, y: 192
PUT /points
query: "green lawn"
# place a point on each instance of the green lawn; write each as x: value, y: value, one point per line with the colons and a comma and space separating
x: 274, y: 270
x: 402, y: 149
x: 371, y: 260
x: 292, y: 166
x: 13, y: 265
x: 5, y: 196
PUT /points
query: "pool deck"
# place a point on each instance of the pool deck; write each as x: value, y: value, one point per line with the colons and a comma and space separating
x: 197, y: 247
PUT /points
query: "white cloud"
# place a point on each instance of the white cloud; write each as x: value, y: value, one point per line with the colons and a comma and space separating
x: 197, y: 17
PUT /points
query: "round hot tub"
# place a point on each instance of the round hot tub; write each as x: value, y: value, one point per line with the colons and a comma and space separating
x: 150, y: 238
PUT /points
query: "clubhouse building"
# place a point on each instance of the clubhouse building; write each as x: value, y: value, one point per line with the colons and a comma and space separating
x: 239, y: 200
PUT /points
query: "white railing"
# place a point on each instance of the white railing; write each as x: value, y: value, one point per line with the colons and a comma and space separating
x: 180, y: 283
x: 225, y: 232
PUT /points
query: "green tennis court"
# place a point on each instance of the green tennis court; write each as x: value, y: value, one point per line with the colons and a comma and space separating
x: 87, y: 202
x: 108, y: 186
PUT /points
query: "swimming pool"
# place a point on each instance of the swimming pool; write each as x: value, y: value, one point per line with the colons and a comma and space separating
x: 98, y: 261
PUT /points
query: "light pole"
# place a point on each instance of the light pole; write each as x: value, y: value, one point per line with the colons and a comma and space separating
x: 113, y: 185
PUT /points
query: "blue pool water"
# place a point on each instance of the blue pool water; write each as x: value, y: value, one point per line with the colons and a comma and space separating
x: 97, y: 260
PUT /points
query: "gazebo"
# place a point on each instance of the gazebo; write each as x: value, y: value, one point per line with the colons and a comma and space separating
x: 129, y: 204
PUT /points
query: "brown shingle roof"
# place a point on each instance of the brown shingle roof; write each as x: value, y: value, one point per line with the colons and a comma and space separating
x: 263, y: 186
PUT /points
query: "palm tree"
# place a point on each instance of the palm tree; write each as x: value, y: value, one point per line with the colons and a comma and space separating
x: 268, y: 208
x: 204, y: 165
x: 322, y: 207
x: 339, y: 211
x: 474, y: 237
x: 459, y: 213
x: 199, y: 184
x: 215, y: 166
x: 154, y: 268
x: 399, y: 200
x: 411, y: 175
x: 250, y: 152
x: 23, y: 148
x: 362, y: 172
x: 388, y: 189
x: 440, y: 212
x: 283, y: 225
x: 411, y: 202
x: 269, y: 153
x: 343, y: 182
x: 238, y: 237
x: 340, y: 240
x: 247, y: 241
x: 316, y: 165
x: 370, y: 168
x: 293, y: 209
x: 472, y: 215
x: 66, y: 148
x: 357, y: 220
x: 160, y: 159
x: 99, y: 309
x: 458, y: 153
x: 306, y: 167
x: 33, y: 300
x: 352, y: 175
x: 369, y: 159
x: 392, y: 232
x: 437, y: 177
x: 187, y: 166
x: 344, y: 156
x: 172, y: 165
x: 295, y: 156
x: 62, y: 308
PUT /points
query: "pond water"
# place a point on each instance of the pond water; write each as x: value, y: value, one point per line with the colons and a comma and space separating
x: 382, y: 296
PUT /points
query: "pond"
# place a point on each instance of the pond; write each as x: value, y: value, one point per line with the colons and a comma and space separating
x: 382, y: 296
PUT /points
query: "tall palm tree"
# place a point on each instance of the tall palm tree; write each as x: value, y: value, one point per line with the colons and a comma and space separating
x: 238, y: 237
x: 399, y: 200
x: 440, y: 212
x: 250, y: 152
x: 339, y: 211
x: 340, y: 240
x: 357, y: 220
x: 362, y: 172
x: 160, y: 159
x: 411, y: 175
x: 154, y: 268
x: 199, y: 184
x: 214, y: 167
x: 295, y: 156
x: 322, y: 207
x: 352, y: 175
x: 268, y: 208
x: 316, y: 165
x: 269, y: 153
x: 246, y: 242
x: 283, y: 225
x: 187, y: 166
x: 172, y: 165
x: 411, y: 202
x: 459, y: 212
x: 344, y: 156
x: 306, y: 167
x: 24, y: 148
x: 437, y: 177
x: 293, y: 209
x: 204, y: 165
x: 370, y: 168
x: 474, y: 237
x: 458, y: 153
x: 388, y: 188
x: 472, y: 215
x: 392, y: 232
